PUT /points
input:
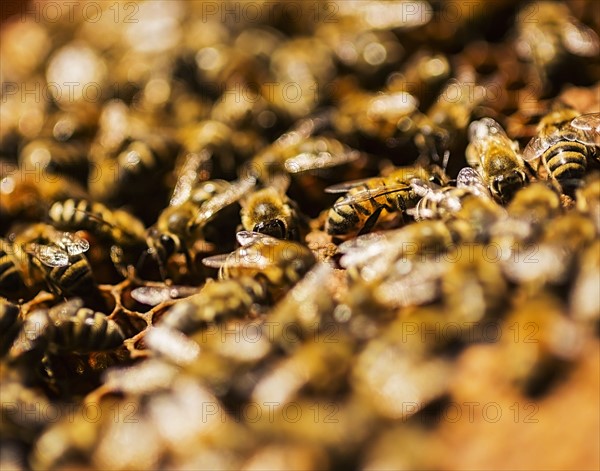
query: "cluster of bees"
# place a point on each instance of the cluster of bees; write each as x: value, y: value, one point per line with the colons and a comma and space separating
x: 256, y: 213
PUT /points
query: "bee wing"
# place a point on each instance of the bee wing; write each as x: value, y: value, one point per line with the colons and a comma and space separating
x: 65, y: 311
x: 216, y: 261
x: 189, y: 174
x: 306, y: 161
x: 74, y: 245
x: 50, y: 255
x: 154, y: 295
x: 209, y: 209
x: 580, y: 39
x: 535, y: 148
x: 357, y: 251
x: 590, y: 125
x: 369, y: 193
x: 346, y: 186
x: 246, y: 238
x: 471, y: 179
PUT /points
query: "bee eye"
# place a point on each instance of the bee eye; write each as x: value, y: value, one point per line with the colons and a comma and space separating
x: 167, y: 243
x: 274, y: 228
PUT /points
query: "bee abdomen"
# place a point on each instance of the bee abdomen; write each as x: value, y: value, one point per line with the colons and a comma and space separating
x: 10, y: 277
x: 87, y: 331
x: 344, y: 219
x: 566, y: 160
x: 75, y: 278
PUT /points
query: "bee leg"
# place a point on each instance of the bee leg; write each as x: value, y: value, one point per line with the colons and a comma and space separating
x: 371, y: 221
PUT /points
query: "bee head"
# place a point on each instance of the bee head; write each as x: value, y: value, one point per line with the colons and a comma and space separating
x: 504, y: 187
x: 275, y: 228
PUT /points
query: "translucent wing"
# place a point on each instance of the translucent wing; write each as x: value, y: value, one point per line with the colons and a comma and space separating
x: 347, y: 186
x: 589, y: 124
x: 363, y: 248
x: 65, y: 311
x: 422, y: 187
x: 369, y: 193
x: 216, y: 261
x: 535, y: 148
x: 209, y: 209
x: 470, y: 179
x: 50, y: 255
x: 246, y: 238
x: 323, y: 154
x: 74, y: 245
x: 580, y: 39
x: 154, y: 295
x: 189, y: 174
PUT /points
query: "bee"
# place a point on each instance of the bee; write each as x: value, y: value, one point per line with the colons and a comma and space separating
x: 496, y: 158
x: 583, y: 297
x: 58, y: 257
x: 375, y: 199
x: 280, y: 263
x: 396, y: 268
x: 54, y: 156
x: 548, y: 34
x: 10, y: 325
x: 74, y: 328
x: 12, y: 283
x: 549, y: 345
x: 26, y: 193
x: 123, y: 231
x: 439, y: 202
x: 269, y: 211
x: 565, y: 143
x: 179, y: 227
x: 129, y: 160
x: 588, y: 198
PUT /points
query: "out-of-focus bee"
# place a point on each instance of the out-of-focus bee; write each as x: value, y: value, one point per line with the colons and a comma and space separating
x: 547, y: 33
x: 269, y: 211
x: 58, y: 256
x: 27, y: 192
x: 255, y: 274
x: 396, y: 268
x: 565, y: 145
x: 375, y: 199
x: 12, y: 283
x: 442, y: 131
x: 123, y: 231
x: 549, y: 342
x: 588, y: 198
x: 496, y: 159
x: 74, y: 328
x: 583, y: 299
x: 280, y: 263
x: 10, y: 325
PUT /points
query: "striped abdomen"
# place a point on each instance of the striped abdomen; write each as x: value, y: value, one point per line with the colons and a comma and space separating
x: 566, y: 161
x: 75, y: 278
x: 85, y: 331
x: 349, y: 219
x: 76, y: 215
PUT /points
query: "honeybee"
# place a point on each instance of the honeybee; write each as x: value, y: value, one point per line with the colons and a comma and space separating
x: 566, y: 142
x: 439, y: 202
x: 280, y: 263
x: 396, y: 268
x: 74, y: 328
x: 26, y: 193
x: 269, y: 211
x: 378, y: 198
x: 55, y: 157
x: 588, y: 198
x: 58, y: 256
x: 179, y: 227
x: 583, y: 298
x: 123, y: 231
x: 548, y: 33
x: 496, y: 158
x: 215, y: 302
x: 549, y: 344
